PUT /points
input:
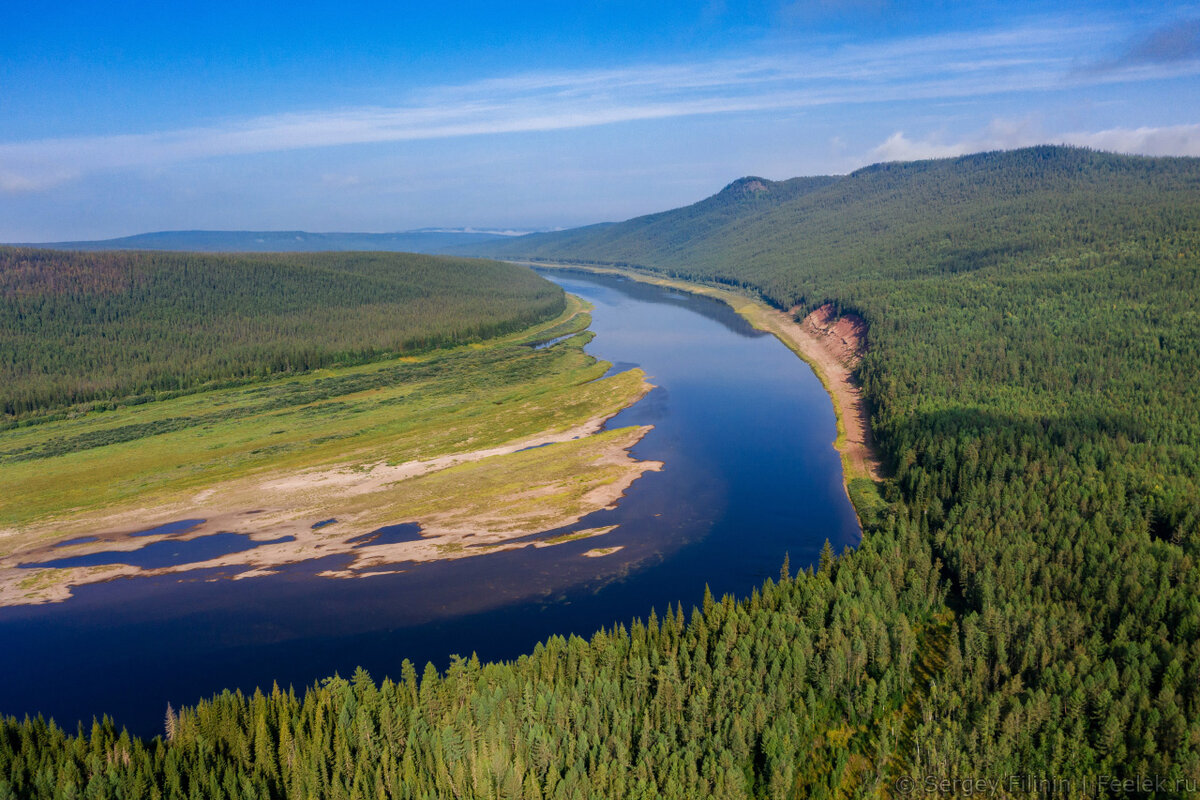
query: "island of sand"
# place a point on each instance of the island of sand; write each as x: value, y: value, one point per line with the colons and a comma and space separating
x: 466, y: 504
x: 477, y: 449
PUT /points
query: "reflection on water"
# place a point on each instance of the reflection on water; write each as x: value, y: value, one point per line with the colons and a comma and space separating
x: 552, y: 342
x: 744, y: 430
x: 167, y: 553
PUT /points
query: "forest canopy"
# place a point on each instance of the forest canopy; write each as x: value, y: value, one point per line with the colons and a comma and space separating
x: 1027, y: 606
x: 1034, y: 349
x: 80, y: 327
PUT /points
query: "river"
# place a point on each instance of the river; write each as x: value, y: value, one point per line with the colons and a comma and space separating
x: 743, y: 427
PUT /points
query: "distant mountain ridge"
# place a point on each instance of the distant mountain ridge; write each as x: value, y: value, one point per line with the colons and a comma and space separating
x: 1032, y: 353
x: 667, y: 233
x: 429, y: 241
x: 808, y: 239
x: 1025, y: 599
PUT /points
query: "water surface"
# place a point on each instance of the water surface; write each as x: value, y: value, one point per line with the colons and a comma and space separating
x: 743, y: 427
x: 164, y: 553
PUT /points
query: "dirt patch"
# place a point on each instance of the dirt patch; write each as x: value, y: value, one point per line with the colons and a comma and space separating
x: 600, y: 552
x: 843, y: 337
x: 834, y: 345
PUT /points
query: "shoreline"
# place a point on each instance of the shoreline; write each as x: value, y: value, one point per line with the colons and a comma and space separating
x: 854, y: 443
x: 450, y: 526
x: 264, y: 507
x: 467, y: 501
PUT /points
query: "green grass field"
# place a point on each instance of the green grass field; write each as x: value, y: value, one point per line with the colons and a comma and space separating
x: 160, y: 453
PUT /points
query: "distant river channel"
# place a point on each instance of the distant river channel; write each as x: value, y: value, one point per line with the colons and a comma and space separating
x: 744, y: 429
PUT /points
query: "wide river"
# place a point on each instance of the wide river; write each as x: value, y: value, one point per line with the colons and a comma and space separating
x: 742, y: 425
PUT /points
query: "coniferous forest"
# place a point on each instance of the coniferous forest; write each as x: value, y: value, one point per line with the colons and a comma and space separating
x: 80, y: 327
x: 1027, y: 605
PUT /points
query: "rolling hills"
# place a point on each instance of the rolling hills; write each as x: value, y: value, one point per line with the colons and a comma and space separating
x: 1025, y: 611
x: 419, y: 241
x: 1033, y: 335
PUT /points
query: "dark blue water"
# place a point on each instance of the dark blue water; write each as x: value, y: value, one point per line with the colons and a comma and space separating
x: 80, y: 540
x: 552, y: 342
x: 389, y: 534
x: 166, y: 553
x: 744, y: 429
x: 179, y: 526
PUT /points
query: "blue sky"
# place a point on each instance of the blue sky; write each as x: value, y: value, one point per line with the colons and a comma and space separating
x: 384, y: 117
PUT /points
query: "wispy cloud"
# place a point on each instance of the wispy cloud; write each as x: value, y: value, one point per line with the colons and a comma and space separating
x: 1030, y: 58
x: 340, y: 181
x: 33, y: 177
x: 1175, y: 42
x: 1175, y: 140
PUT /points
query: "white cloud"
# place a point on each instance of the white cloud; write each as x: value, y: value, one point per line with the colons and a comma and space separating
x: 33, y: 180
x: 899, y: 147
x: 1030, y: 58
x: 1174, y: 140
x: 1001, y: 134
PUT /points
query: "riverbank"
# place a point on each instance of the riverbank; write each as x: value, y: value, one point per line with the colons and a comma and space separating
x: 830, y: 349
x: 742, y: 429
x: 479, y: 446
x: 455, y: 506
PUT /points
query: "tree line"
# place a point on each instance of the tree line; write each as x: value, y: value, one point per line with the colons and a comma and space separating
x: 79, y: 327
x: 1028, y: 603
x: 1032, y: 365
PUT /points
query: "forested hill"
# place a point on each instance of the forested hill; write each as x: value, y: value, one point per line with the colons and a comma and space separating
x: 79, y: 327
x: 669, y: 235
x: 419, y: 241
x: 791, y: 238
x: 1034, y: 355
x: 1025, y: 612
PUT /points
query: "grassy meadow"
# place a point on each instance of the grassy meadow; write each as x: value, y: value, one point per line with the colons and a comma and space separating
x: 401, y: 409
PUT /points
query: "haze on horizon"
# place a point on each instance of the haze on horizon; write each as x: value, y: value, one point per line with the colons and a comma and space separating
x: 329, y: 117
